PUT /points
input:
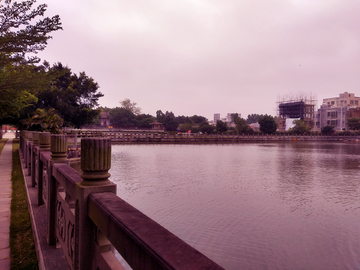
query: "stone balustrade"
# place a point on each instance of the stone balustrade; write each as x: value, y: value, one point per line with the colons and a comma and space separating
x: 124, y: 137
x: 86, y: 218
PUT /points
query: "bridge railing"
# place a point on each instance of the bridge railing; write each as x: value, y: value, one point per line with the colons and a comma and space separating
x: 86, y: 218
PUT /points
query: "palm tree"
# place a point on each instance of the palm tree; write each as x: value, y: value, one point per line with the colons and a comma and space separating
x: 43, y: 120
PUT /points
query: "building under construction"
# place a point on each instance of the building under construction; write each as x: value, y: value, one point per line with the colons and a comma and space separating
x: 299, y: 107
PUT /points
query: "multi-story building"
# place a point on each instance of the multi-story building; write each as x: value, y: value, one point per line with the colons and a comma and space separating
x: 335, y: 111
x: 344, y: 100
x: 216, y: 117
x: 329, y: 115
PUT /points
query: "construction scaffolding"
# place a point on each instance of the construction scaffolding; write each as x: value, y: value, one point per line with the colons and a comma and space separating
x: 297, y: 106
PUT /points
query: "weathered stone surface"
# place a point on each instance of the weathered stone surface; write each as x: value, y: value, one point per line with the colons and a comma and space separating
x: 35, y: 137
x: 44, y: 140
x: 95, y: 159
x: 58, y: 147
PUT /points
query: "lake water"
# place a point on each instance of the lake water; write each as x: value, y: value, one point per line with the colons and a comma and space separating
x: 292, y: 205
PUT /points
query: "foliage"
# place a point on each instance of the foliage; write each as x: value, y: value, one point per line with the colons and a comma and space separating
x: 221, y: 126
x: 353, y: 123
x: 206, y: 128
x: 144, y: 120
x: 327, y: 130
x: 19, y: 35
x: 20, y: 84
x: 130, y: 106
x: 185, y: 127
x: 43, y: 120
x: 254, y: 118
x: 121, y: 117
x: 197, y: 119
x: 194, y: 120
x: 168, y: 120
x: 267, y: 124
x: 22, y: 247
x: 73, y: 97
x: 300, y: 127
x: 195, y: 130
x: 242, y: 126
x: 181, y: 119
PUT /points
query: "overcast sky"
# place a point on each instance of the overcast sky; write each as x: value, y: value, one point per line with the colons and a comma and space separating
x: 210, y: 56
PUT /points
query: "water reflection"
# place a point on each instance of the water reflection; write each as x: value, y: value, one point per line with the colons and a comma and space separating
x: 251, y: 206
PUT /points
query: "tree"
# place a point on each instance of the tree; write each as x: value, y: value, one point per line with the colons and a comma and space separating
x: 206, y: 128
x: 353, y: 123
x: 168, y: 120
x: 145, y: 120
x: 185, y: 127
x: 197, y: 119
x: 120, y: 117
x: 20, y: 35
x: 242, y: 126
x: 43, y: 120
x: 301, y: 127
x: 130, y: 106
x: 267, y: 124
x: 253, y: 118
x: 221, y: 126
x: 327, y: 130
x: 184, y: 119
x: 74, y: 97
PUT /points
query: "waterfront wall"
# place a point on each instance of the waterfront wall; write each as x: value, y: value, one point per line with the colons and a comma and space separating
x: 125, y: 137
x: 84, y: 216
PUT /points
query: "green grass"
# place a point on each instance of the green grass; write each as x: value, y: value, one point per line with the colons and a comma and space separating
x: 22, y: 247
x: 2, y: 143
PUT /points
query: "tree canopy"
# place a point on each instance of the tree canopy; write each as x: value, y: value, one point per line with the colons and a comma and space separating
x: 327, y: 130
x: 267, y: 124
x: 253, y: 118
x: 242, y: 127
x: 353, y: 123
x: 301, y: 127
x: 74, y: 97
x: 168, y: 120
x: 221, y: 126
x: 130, y: 106
x: 22, y: 33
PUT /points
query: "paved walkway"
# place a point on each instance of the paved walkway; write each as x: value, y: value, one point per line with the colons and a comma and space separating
x: 5, y: 201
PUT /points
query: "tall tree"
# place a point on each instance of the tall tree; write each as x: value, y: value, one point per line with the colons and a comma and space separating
x: 130, y: 106
x: 206, y: 128
x: 221, y: 126
x: 242, y: 127
x: 198, y: 119
x: 21, y: 32
x: 74, y: 97
x: 253, y: 118
x: 267, y: 124
x: 168, y: 120
x: 120, y: 117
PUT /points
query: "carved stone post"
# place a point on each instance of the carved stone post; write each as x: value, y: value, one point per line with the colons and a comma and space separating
x: 28, y: 150
x: 44, y: 143
x: 58, y: 148
x: 34, y: 150
x: 95, y: 164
